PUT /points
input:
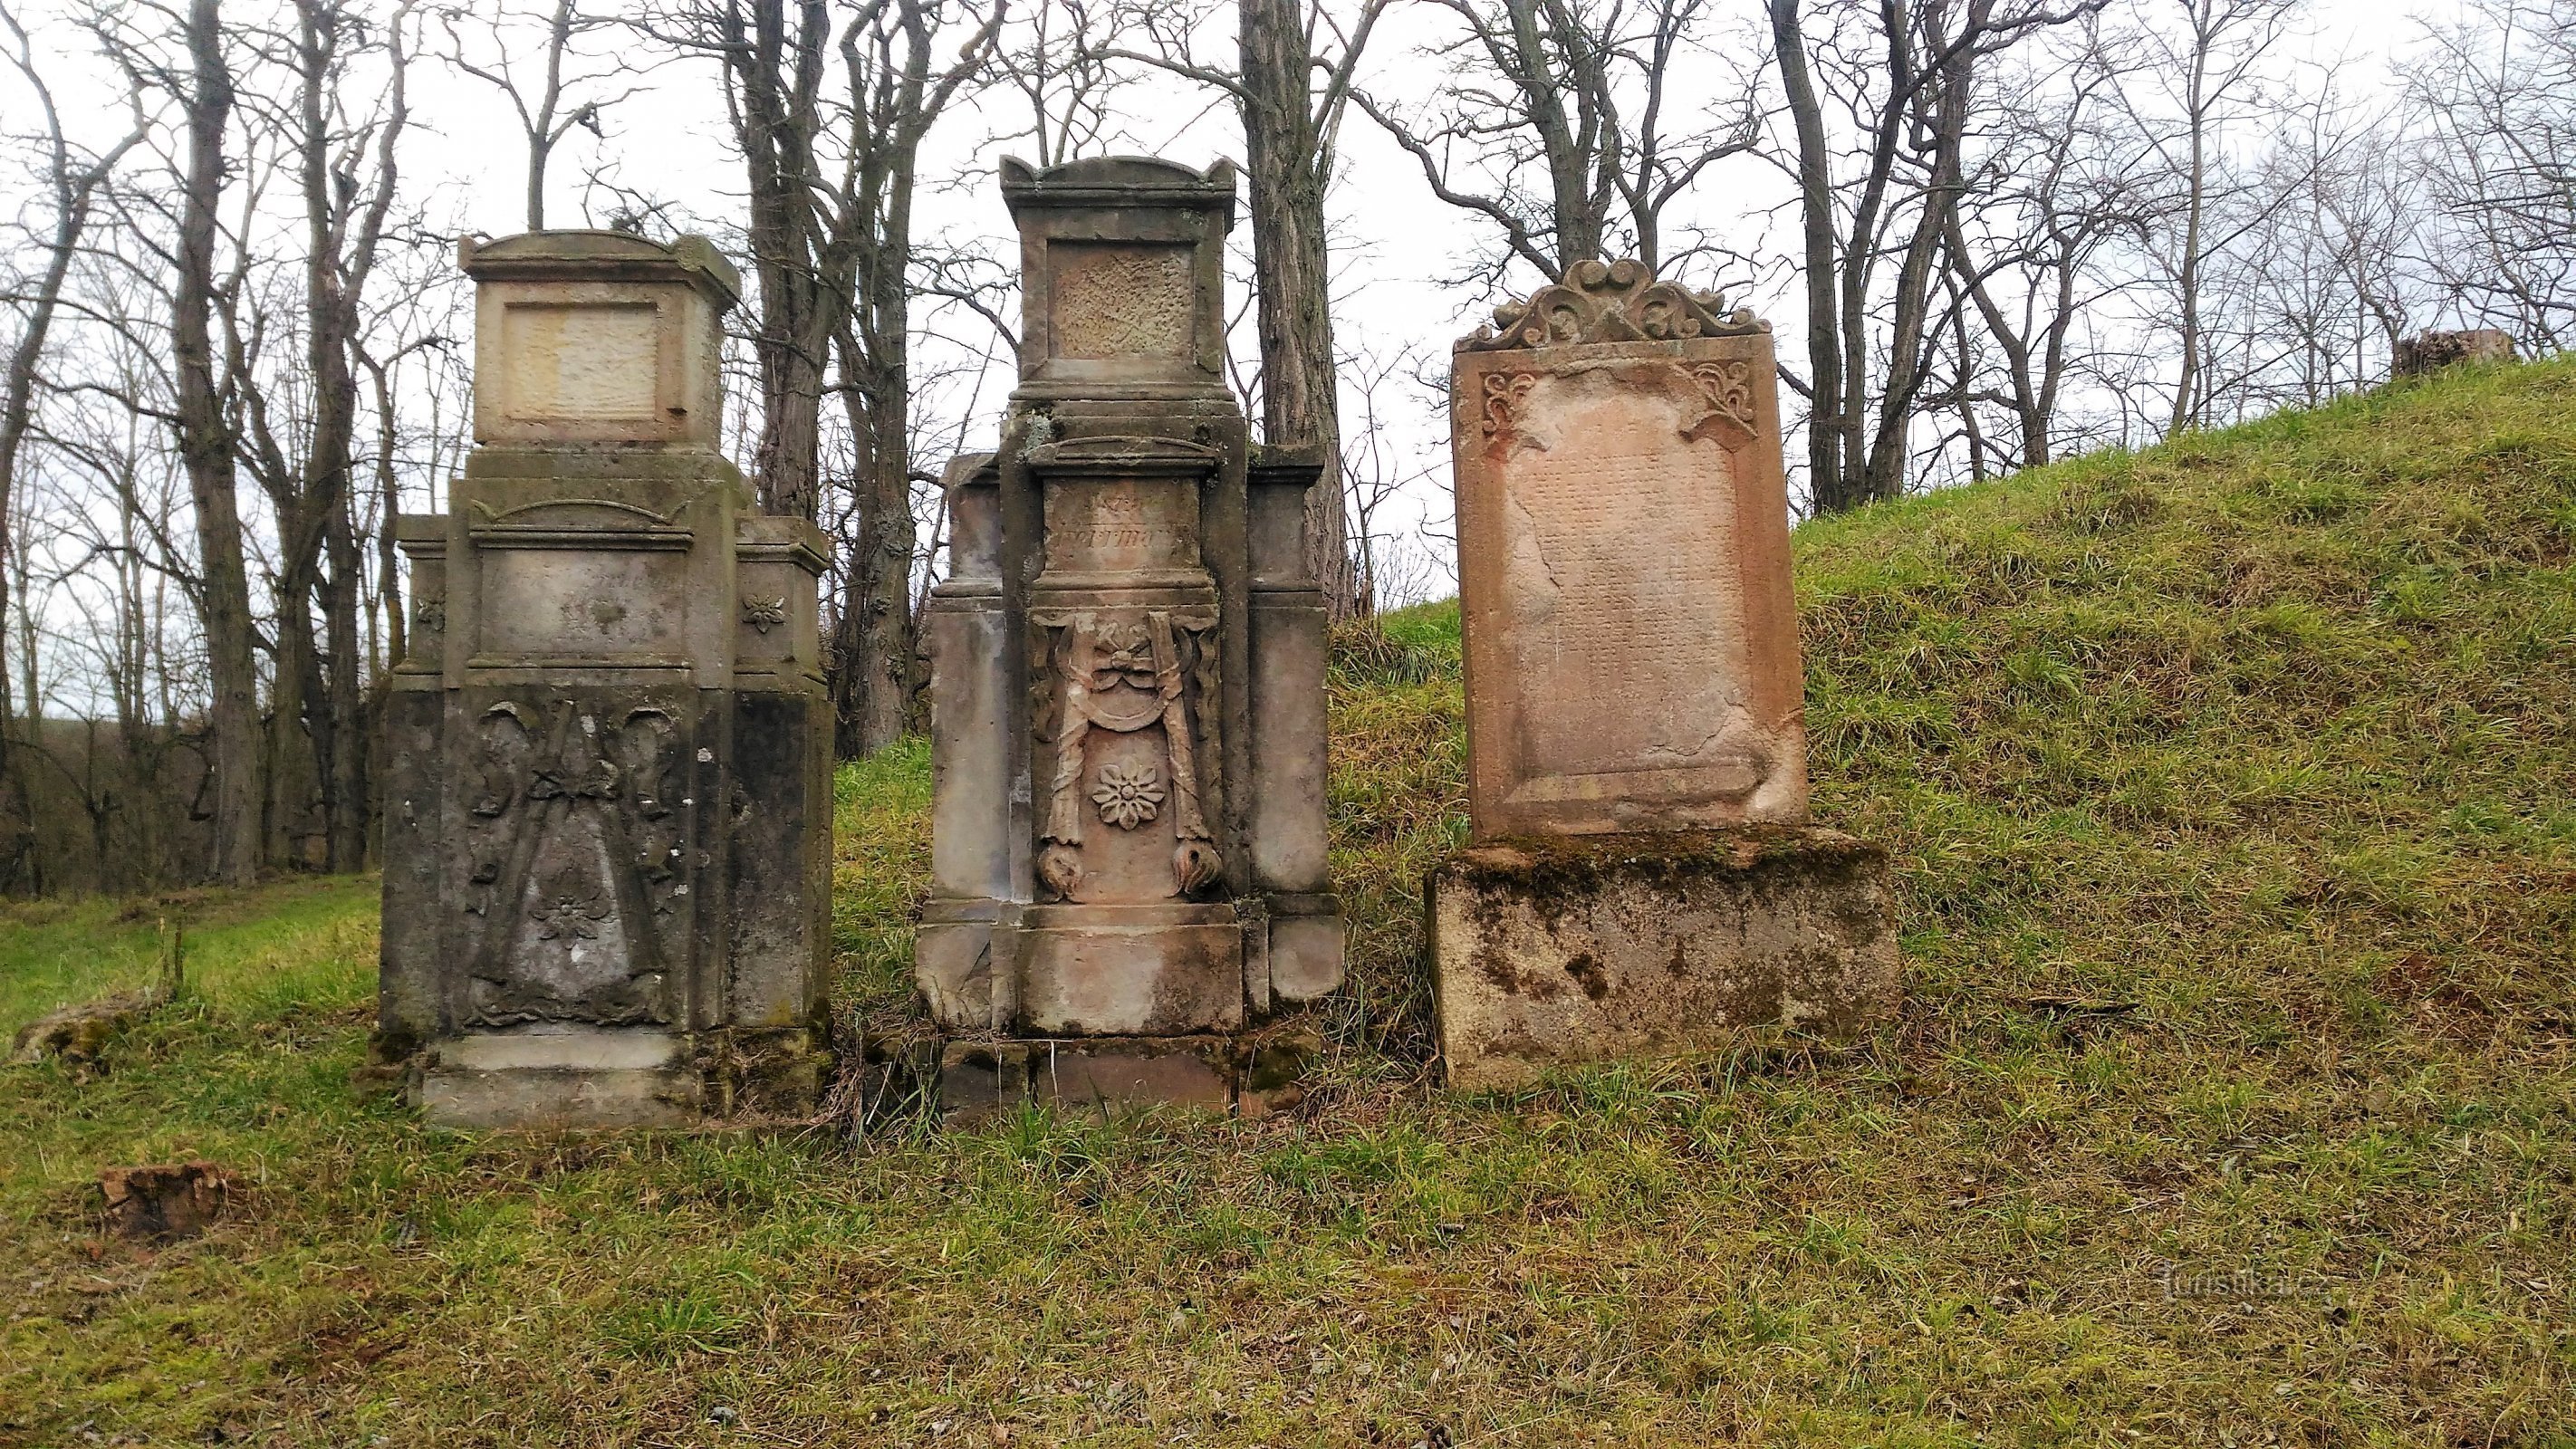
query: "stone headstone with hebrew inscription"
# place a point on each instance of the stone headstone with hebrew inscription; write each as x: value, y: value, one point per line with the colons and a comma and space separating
x: 608, y: 804
x: 1642, y: 876
x: 1623, y: 540
x: 1127, y: 681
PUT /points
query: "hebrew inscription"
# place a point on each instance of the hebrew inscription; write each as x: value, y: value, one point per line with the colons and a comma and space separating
x: 1623, y: 552
x: 1619, y: 587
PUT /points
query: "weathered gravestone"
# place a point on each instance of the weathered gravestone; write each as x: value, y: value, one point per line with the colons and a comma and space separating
x: 1642, y: 876
x: 608, y: 803
x: 1127, y: 698
x: 2429, y: 352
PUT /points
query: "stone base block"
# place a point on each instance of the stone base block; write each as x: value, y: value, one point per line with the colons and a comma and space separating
x: 977, y: 1079
x: 1304, y: 959
x: 590, y: 1077
x: 1254, y: 1075
x: 1552, y: 951
x: 1105, y: 970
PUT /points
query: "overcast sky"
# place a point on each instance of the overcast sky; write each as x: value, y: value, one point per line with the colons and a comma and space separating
x: 1399, y: 256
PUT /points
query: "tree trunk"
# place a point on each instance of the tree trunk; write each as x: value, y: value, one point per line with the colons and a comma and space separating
x: 778, y: 79
x: 874, y: 641
x: 2187, y: 403
x: 1940, y: 121
x: 1285, y: 159
x: 346, y: 790
x: 206, y: 446
x: 1816, y: 216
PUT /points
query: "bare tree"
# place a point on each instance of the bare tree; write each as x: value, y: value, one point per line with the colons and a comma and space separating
x: 1059, y: 64
x: 2498, y: 94
x: 1552, y: 124
x: 206, y: 440
x: 1904, y: 81
x: 2208, y: 73
x: 546, y: 109
x: 73, y: 183
x: 1373, y: 472
x: 1290, y: 124
x: 832, y: 181
x: 893, y: 96
x: 2031, y: 226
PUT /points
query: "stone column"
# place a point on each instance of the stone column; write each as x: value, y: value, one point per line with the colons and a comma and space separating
x: 608, y: 802
x: 1643, y: 876
x: 1127, y: 681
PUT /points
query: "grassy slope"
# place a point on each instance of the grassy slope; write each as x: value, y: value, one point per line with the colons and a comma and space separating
x: 2260, y: 741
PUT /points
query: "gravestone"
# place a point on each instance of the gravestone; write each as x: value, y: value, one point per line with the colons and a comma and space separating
x: 1642, y: 875
x: 608, y: 793
x: 2429, y: 352
x: 1127, y: 707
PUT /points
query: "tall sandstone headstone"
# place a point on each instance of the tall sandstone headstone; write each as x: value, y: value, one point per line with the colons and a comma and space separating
x: 1642, y: 876
x: 1127, y: 707
x: 608, y: 799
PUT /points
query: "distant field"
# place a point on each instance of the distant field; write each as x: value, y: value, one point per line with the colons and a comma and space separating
x: 2234, y: 1101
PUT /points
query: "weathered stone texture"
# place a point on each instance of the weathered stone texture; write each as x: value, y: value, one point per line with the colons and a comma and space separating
x: 1575, y: 949
x: 1126, y: 663
x: 608, y: 809
x: 1631, y: 640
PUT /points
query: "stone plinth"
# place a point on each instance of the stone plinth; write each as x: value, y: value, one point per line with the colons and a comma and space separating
x: 1637, y: 780
x: 1126, y: 654
x: 1579, y: 948
x: 608, y: 797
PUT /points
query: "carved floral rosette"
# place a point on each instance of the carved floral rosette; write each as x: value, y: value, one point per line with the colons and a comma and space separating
x: 576, y: 850
x: 1119, y: 671
x: 1609, y: 302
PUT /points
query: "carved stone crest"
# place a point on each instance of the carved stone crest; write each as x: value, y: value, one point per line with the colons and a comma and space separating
x: 1123, y: 673
x: 764, y: 615
x: 1609, y: 302
x: 1503, y: 392
x: 1727, y: 390
x: 573, y: 842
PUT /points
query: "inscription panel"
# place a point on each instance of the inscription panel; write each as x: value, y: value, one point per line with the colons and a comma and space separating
x: 1095, y: 526
x: 581, y: 363
x: 1620, y: 585
x: 548, y: 603
x: 1631, y: 640
x: 1120, y: 300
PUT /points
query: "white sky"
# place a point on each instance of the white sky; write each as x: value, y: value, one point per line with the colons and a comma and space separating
x: 1399, y: 252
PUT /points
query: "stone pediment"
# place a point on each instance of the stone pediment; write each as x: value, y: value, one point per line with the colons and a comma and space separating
x: 1112, y: 179
x: 1119, y: 454
x: 1610, y: 302
x: 594, y: 256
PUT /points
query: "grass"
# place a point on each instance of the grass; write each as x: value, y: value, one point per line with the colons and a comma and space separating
x: 2230, y: 785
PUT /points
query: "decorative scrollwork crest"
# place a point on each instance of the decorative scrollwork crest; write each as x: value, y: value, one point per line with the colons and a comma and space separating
x: 1610, y: 302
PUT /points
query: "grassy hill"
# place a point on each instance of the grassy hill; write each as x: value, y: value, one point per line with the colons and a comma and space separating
x: 2233, y: 1101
